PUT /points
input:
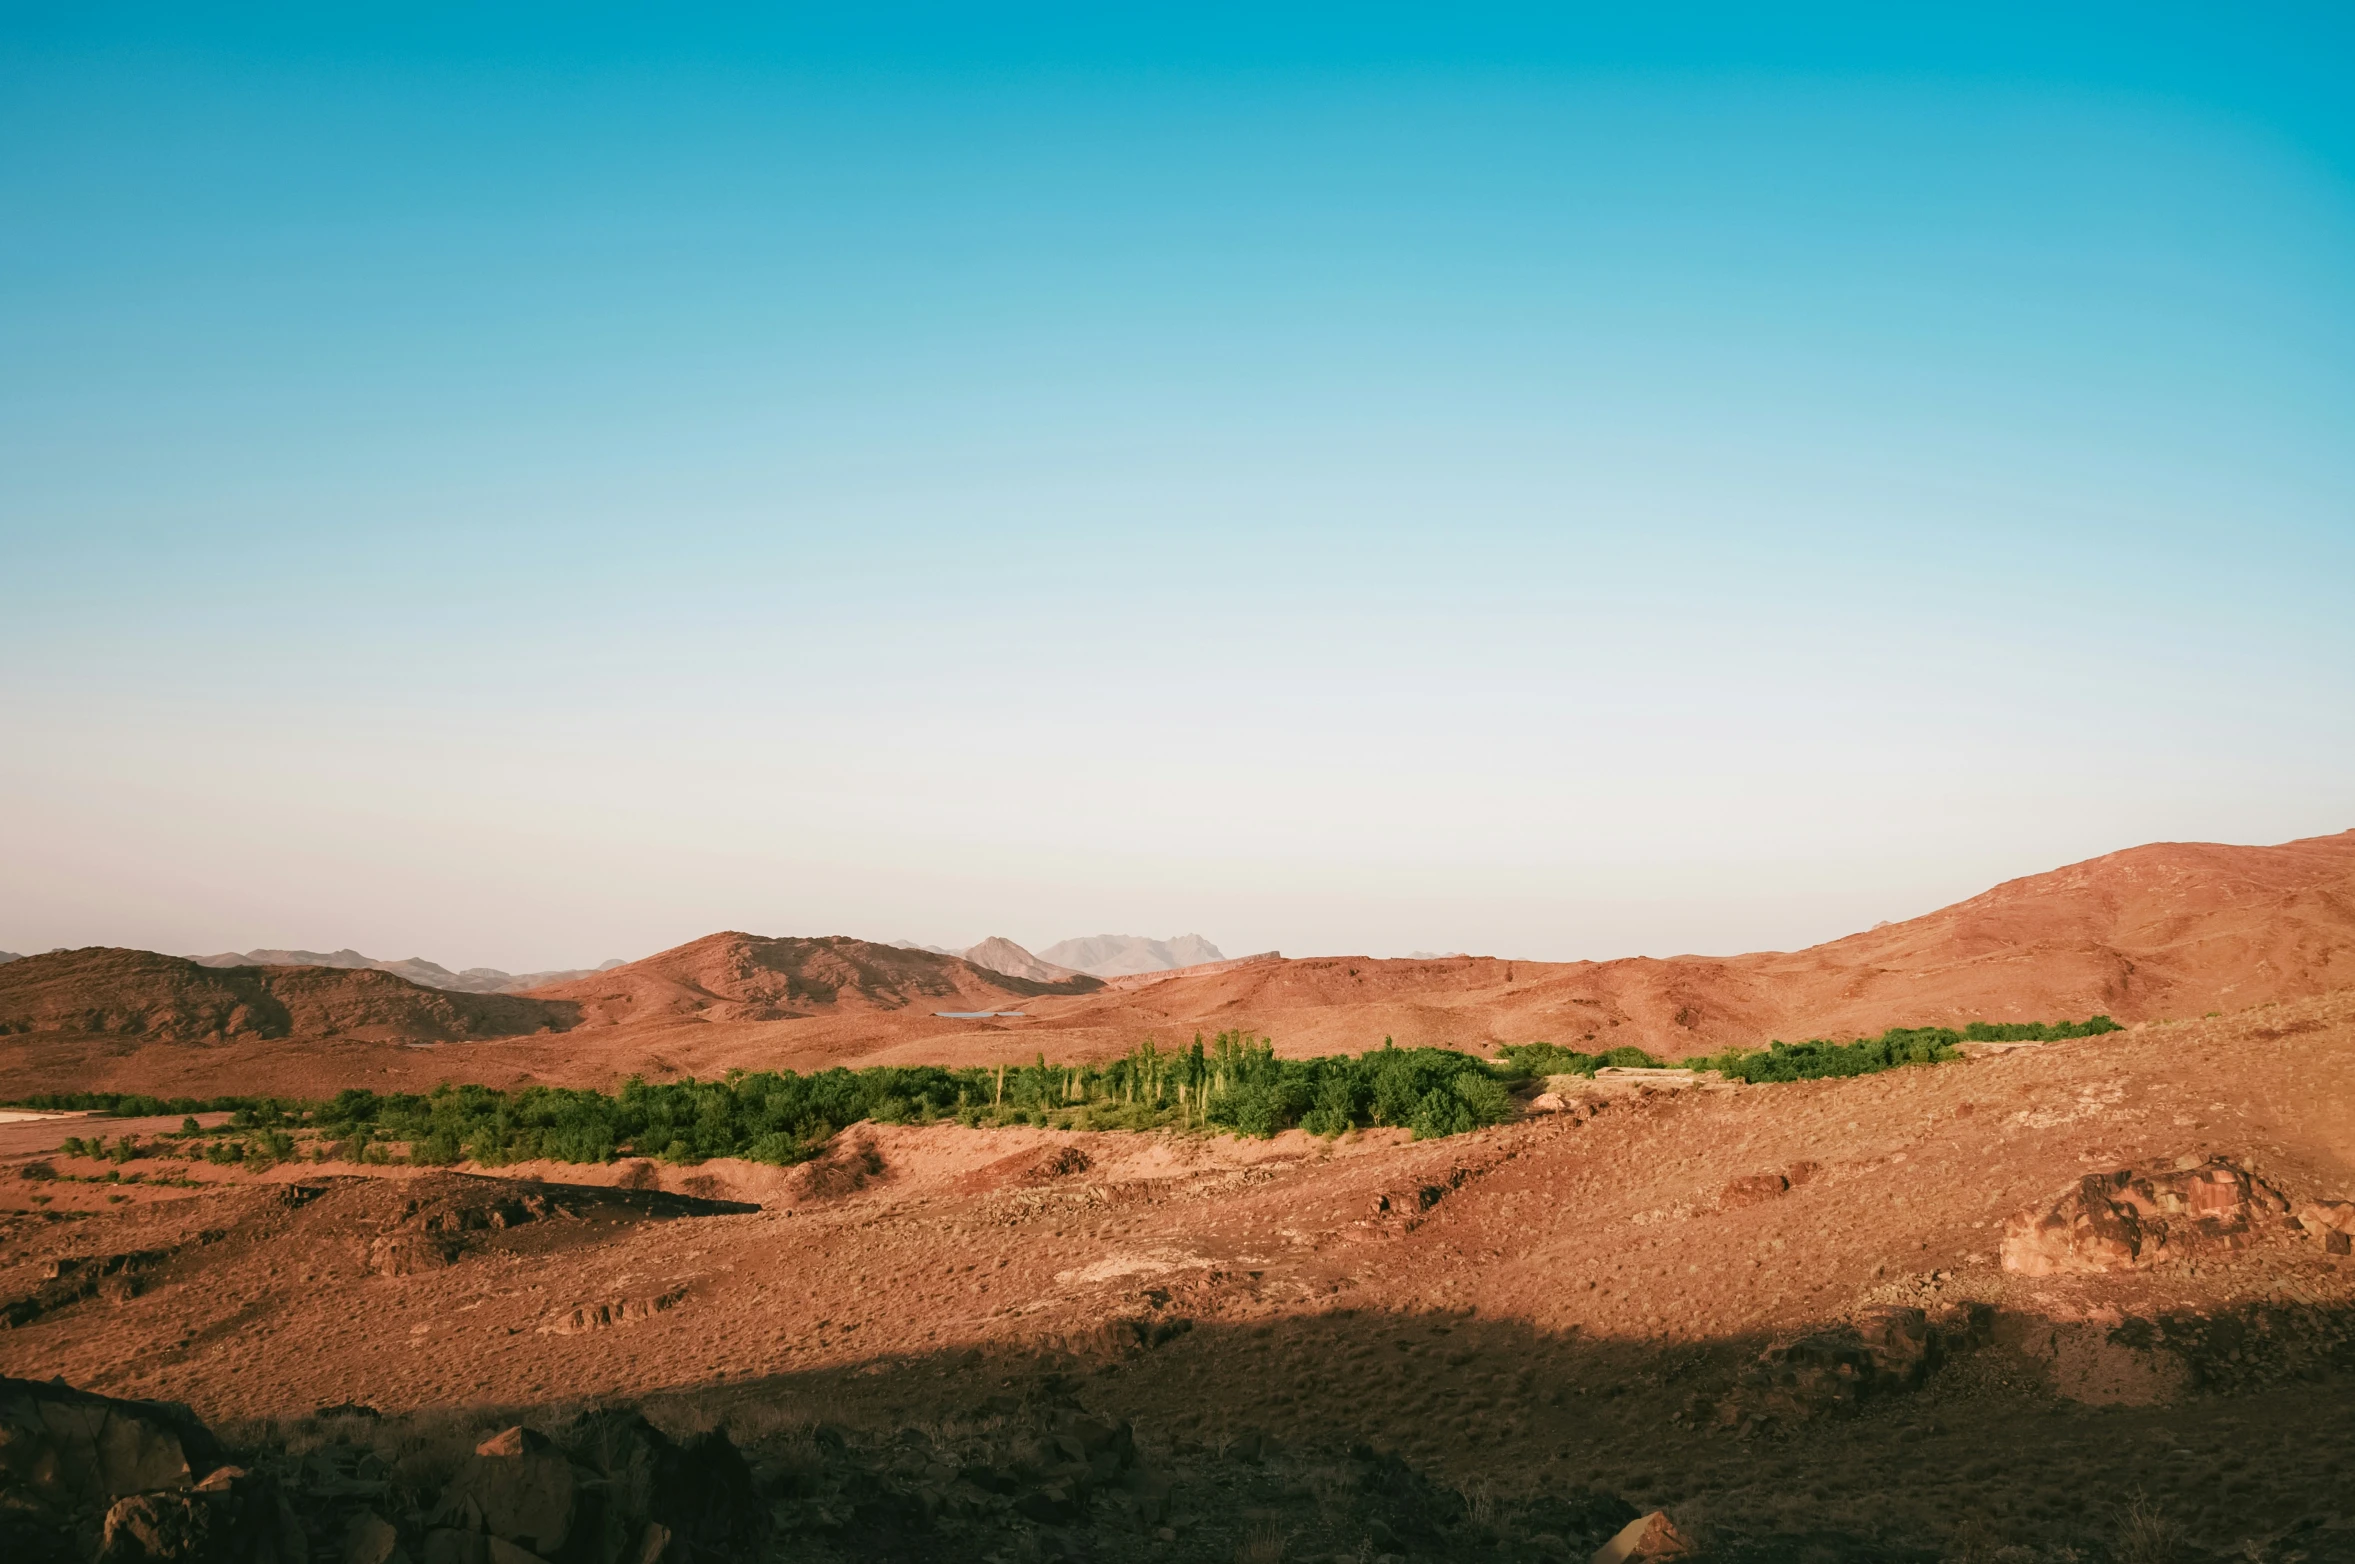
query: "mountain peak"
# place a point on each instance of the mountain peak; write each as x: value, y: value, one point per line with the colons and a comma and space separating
x: 1124, y: 955
x: 1000, y: 954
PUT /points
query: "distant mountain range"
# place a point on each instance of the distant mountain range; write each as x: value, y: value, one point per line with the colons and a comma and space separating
x: 2169, y: 930
x: 1121, y: 955
x: 734, y: 976
x: 1002, y: 955
x: 1098, y: 955
x: 101, y: 991
x: 429, y: 974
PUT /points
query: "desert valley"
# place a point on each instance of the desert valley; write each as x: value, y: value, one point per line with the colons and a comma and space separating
x: 1606, y: 1280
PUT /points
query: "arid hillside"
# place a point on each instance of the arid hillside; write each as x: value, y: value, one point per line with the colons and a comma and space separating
x: 2167, y: 931
x: 430, y: 974
x: 1001, y: 955
x: 748, y: 977
x: 167, y: 999
x: 1826, y: 1313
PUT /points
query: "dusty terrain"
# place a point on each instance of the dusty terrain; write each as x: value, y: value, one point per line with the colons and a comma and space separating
x: 131, y: 997
x: 2074, y: 1301
x: 2167, y: 931
x: 429, y: 974
x: 1562, y: 1304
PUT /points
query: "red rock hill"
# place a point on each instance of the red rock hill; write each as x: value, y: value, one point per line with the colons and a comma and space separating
x: 749, y: 977
x: 138, y: 993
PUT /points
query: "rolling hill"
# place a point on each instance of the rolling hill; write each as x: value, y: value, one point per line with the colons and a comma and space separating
x: 104, y: 991
x: 430, y: 974
x: 749, y: 977
x: 2167, y: 930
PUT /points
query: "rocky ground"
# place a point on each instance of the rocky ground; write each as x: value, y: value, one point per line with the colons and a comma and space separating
x: 1782, y: 1313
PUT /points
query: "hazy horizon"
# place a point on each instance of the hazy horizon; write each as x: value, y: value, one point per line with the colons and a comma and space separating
x: 526, y: 489
x: 1034, y: 946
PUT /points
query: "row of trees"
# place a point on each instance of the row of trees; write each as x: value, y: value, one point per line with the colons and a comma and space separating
x: 1233, y: 1083
x: 1819, y: 1058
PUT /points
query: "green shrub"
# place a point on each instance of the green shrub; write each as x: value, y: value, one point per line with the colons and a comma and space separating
x: 1819, y: 1058
x: 1235, y: 1083
x: 1484, y: 1096
x: 2038, y: 1031
x: 129, y: 1105
x: 1540, y: 1059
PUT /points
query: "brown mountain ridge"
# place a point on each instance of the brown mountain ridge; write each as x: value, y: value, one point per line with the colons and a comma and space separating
x: 103, y: 991
x: 2168, y: 930
x: 734, y: 976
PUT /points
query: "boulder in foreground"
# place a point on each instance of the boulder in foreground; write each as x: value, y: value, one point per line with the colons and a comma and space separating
x: 85, y: 1476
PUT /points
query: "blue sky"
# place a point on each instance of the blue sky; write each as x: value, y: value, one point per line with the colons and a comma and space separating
x: 531, y: 487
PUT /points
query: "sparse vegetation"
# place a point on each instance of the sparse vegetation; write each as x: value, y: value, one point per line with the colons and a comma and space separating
x: 130, y: 1105
x: 1235, y: 1083
x: 1552, y: 1059
x: 1819, y: 1058
x: 2038, y: 1031
x: 2146, y: 1533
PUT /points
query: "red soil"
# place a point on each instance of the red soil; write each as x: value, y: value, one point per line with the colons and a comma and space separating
x: 1571, y: 1300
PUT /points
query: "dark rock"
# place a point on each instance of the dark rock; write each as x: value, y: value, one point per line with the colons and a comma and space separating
x: 1887, y: 1351
x: 699, y: 1491
x: 350, y: 1409
x: 1583, y: 1519
x: 1063, y: 1162
x: 232, y: 1517
x: 450, y: 1545
x: 371, y: 1539
x: 532, y: 1497
x: 117, y: 1278
x: 63, y: 1450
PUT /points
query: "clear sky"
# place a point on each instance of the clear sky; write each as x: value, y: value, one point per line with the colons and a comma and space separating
x: 526, y: 487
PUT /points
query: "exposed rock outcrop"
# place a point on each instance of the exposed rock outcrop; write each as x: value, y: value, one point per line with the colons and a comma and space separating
x: 68, y: 1457
x: 2332, y: 1221
x: 2135, y: 1218
x: 1885, y: 1351
x: 231, y: 1517
x: 85, y: 1476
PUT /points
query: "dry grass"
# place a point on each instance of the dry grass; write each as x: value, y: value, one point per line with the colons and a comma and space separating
x: 2146, y: 1534
x: 1262, y: 1544
x: 1482, y: 1507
